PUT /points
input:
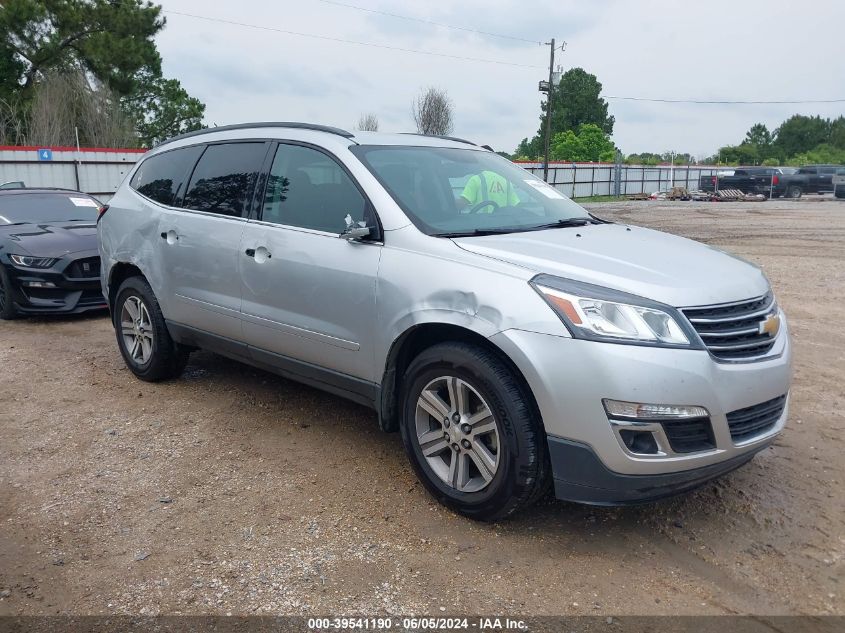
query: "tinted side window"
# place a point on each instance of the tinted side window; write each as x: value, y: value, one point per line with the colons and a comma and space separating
x: 308, y: 189
x: 162, y: 177
x: 224, y: 178
x: 807, y: 170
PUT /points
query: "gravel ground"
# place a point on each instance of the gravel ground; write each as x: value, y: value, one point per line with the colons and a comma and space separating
x: 234, y: 491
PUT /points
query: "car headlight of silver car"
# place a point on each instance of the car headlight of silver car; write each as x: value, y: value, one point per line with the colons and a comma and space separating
x: 32, y: 262
x: 603, y: 314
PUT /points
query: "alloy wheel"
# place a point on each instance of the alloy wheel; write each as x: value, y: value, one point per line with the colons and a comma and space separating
x: 457, y: 434
x: 136, y: 327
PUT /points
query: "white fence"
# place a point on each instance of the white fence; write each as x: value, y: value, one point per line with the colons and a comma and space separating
x: 581, y: 180
x: 100, y: 171
x: 97, y: 171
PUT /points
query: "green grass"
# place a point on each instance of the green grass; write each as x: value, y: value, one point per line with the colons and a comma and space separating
x: 597, y: 199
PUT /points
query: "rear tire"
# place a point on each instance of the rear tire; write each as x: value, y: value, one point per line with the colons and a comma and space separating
x: 793, y: 191
x: 142, y: 336
x: 484, y: 454
x: 7, y: 302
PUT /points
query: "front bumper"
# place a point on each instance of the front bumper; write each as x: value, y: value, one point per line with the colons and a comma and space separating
x: 570, y: 377
x: 74, y: 289
x: 580, y: 476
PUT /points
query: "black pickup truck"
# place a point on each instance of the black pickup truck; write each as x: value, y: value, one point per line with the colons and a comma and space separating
x: 819, y: 177
x: 769, y: 181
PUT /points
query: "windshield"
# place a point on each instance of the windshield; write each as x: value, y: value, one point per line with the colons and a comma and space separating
x: 447, y: 191
x: 37, y: 208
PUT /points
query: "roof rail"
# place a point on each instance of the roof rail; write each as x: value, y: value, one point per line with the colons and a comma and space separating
x: 440, y: 136
x: 244, y: 126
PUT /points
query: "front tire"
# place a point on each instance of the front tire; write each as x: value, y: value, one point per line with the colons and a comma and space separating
x: 471, y: 432
x: 7, y: 300
x: 142, y: 336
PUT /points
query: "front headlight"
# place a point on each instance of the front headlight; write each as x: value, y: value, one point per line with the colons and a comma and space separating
x: 32, y: 262
x: 602, y: 314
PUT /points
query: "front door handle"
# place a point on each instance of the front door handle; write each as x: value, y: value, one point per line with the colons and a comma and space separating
x: 260, y: 254
x: 170, y: 236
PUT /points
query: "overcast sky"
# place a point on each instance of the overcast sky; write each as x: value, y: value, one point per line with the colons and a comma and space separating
x: 714, y: 50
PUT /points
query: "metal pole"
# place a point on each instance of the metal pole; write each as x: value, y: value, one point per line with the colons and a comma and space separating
x: 76, y: 164
x: 549, y: 103
x: 617, y: 175
x: 672, y: 170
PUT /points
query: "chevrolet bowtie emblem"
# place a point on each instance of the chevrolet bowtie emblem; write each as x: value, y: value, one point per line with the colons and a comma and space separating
x: 770, y: 326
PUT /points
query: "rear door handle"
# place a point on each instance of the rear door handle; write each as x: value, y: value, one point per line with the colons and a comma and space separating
x: 171, y: 236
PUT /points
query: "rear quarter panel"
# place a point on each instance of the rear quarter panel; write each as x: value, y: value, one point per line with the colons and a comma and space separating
x: 128, y: 234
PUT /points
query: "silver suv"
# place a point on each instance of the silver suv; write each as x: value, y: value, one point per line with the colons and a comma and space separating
x: 515, y: 340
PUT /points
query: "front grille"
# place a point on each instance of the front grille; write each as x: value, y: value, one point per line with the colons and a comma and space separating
x: 87, y: 268
x: 749, y: 422
x: 690, y: 436
x: 91, y: 298
x: 732, y: 331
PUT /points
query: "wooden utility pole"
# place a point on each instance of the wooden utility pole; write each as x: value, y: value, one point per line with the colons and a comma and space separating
x: 549, y: 109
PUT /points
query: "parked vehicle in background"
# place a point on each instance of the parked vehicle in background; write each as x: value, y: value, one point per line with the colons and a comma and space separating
x: 839, y: 183
x: 772, y: 182
x: 819, y: 177
x: 512, y: 338
x: 49, y: 263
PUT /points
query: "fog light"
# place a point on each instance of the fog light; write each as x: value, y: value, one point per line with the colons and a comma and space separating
x: 643, y: 411
x: 640, y: 442
x: 39, y: 284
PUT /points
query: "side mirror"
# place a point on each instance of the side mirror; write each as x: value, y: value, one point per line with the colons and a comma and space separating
x: 356, y: 233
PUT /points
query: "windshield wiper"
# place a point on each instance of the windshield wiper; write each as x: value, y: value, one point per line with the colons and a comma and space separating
x: 562, y: 224
x: 568, y: 222
x: 476, y: 232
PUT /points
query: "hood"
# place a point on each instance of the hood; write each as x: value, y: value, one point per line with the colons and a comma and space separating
x: 50, y: 240
x: 659, y: 266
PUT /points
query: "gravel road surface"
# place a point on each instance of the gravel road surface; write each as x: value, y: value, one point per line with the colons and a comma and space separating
x: 231, y: 490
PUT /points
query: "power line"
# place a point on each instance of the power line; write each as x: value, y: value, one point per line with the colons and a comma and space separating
x: 725, y: 102
x: 344, y: 41
x: 430, y: 22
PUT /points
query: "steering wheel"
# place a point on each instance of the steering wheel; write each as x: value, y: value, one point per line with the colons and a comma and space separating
x: 476, y: 208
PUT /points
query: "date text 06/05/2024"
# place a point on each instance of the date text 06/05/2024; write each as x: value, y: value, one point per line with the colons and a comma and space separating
x: 417, y: 624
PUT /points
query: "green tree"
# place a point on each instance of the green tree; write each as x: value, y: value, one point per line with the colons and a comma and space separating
x: 837, y: 132
x: 824, y: 153
x: 576, y: 101
x: 742, y: 154
x: 110, y: 40
x: 761, y: 139
x: 110, y: 43
x: 11, y: 68
x: 590, y: 144
x: 530, y: 149
x: 162, y: 108
x: 799, y: 134
x: 758, y: 135
x: 645, y: 158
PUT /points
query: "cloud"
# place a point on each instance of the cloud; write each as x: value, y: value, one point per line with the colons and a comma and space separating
x: 649, y: 48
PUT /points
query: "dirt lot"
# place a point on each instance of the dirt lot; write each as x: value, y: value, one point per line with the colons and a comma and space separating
x: 234, y: 491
